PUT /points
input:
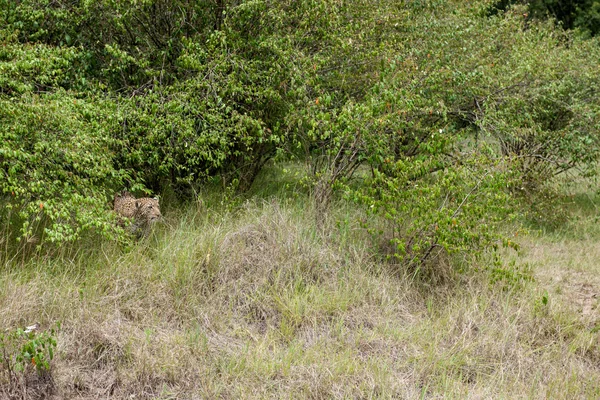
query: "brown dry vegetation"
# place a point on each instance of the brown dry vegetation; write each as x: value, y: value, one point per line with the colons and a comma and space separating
x: 257, y: 302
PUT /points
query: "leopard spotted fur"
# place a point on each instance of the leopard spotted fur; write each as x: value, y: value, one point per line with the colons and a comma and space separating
x: 143, y: 211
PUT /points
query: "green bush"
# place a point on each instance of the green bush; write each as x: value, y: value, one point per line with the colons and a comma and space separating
x: 56, y: 160
x: 469, y: 111
x: 424, y: 220
x: 224, y: 118
x: 127, y: 43
x: 571, y: 14
x: 21, y: 353
x: 38, y: 68
x: 422, y: 99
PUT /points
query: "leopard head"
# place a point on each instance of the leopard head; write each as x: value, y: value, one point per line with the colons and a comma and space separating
x: 147, y: 210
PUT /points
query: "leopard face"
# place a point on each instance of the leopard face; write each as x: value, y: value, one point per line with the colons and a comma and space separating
x: 147, y: 209
x: 144, y: 211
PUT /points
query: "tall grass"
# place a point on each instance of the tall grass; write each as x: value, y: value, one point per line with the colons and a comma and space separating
x: 257, y: 300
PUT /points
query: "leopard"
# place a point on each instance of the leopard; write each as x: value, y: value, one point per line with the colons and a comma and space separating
x: 143, y: 211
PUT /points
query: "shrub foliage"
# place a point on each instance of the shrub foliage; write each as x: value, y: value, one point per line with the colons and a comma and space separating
x: 57, y: 164
x: 436, y: 115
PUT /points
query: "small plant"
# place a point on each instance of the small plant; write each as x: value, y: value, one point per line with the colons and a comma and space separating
x: 25, y: 356
x: 541, y: 306
x: 509, y: 276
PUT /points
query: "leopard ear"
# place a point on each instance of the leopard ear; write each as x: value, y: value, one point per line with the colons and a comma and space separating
x: 137, y: 204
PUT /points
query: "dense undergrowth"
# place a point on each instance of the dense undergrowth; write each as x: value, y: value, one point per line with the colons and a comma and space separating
x: 455, y: 112
x: 361, y: 199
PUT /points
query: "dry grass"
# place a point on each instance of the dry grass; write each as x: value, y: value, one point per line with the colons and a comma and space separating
x: 259, y: 303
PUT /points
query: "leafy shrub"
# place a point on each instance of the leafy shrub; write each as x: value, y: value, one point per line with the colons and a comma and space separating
x: 470, y: 107
x: 127, y: 43
x: 23, y: 352
x: 223, y: 117
x: 436, y: 104
x: 516, y: 84
x: 184, y: 134
x: 56, y: 161
x: 38, y: 68
x: 456, y: 210
x: 571, y: 14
